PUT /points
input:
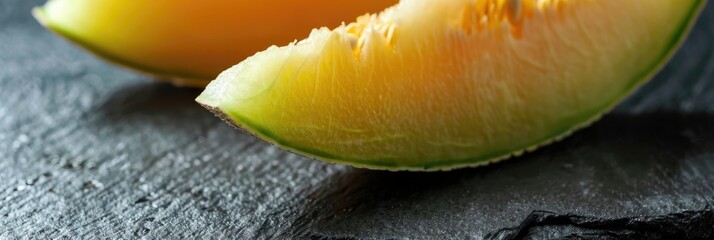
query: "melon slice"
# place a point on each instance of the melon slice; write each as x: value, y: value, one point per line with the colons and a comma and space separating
x: 191, y: 41
x: 437, y: 85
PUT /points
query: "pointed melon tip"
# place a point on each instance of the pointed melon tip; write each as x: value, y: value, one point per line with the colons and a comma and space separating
x: 207, y: 102
x: 39, y: 14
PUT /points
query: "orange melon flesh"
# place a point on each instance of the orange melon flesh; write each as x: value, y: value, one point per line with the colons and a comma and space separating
x: 437, y: 85
x: 191, y: 40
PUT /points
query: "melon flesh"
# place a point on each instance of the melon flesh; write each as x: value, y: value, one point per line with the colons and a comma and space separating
x: 436, y: 85
x: 192, y: 40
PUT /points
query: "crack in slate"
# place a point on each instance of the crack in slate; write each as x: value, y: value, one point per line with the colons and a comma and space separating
x: 684, y: 225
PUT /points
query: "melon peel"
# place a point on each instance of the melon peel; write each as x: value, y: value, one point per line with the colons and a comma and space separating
x: 186, y: 42
x: 304, y: 97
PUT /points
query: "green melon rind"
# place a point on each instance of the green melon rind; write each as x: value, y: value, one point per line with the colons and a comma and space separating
x: 176, y: 77
x: 237, y: 120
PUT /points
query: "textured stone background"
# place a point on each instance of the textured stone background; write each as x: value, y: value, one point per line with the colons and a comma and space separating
x: 88, y: 150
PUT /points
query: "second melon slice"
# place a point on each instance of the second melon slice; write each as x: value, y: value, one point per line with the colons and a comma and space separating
x: 436, y: 85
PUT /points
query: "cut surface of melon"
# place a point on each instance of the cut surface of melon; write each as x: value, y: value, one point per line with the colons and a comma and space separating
x: 191, y: 40
x: 437, y: 85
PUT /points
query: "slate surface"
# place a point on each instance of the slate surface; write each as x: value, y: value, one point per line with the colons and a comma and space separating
x: 88, y: 150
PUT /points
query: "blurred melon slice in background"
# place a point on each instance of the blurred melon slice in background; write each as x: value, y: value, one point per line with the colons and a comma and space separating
x: 191, y: 41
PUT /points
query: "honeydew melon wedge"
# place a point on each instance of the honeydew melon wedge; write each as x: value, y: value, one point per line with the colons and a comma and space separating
x: 191, y: 41
x: 438, y: 85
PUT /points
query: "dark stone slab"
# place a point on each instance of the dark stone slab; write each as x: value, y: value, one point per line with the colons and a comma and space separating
x: 88, y: 150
